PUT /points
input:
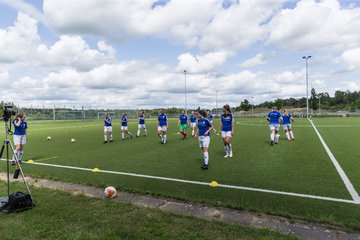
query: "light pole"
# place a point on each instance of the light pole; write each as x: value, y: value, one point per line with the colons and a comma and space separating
x: 185, y: 94
x: 252, y: 105
x: 319, y: 103
x: 307, y: 85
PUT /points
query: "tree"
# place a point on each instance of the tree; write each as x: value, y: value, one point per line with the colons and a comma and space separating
x: 313, y: 99
x: 279, y: 103
x: 245, y: 105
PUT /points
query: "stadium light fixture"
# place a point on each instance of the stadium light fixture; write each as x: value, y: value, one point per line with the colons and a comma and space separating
x: 307, y: 84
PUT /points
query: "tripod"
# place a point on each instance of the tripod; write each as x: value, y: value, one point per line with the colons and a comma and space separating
x: 18, y: 169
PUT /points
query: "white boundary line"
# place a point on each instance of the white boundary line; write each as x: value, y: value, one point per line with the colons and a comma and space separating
x: 355, y: 196
x: 201, y: 183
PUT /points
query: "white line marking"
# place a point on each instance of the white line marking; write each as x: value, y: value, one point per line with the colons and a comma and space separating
x: 348, y: 184
x: 201, y: 183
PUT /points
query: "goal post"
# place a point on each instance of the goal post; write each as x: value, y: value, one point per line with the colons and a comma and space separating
x: 101, y: 115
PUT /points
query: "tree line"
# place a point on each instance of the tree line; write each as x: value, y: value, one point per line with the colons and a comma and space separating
x: 342, y: 100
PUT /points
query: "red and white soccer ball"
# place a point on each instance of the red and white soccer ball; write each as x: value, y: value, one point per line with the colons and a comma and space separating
x: 110, y: 192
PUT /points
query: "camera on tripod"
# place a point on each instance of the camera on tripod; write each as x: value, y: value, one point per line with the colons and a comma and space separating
x: 8, y: 113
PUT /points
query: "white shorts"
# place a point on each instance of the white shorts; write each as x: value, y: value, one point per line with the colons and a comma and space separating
x: 193, y: 124
x: 19, y: 139
x: 141, y: 126
x: 107, y: 129
x: 204, y: 141
x: 225, y: 134
x: 286, y: 126
x: 274, y: 127
x: 162, y: 128
x: 124, y: 128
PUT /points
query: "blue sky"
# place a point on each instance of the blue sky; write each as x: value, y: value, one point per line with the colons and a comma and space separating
x: 121, y: 54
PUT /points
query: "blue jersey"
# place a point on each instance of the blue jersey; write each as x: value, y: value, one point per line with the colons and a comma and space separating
x: 227, y: 121
x: 142, y: 119
x: 183, y: 119
x: 286, y: 118
x: 204, y: 125
x: 124, y: 121
x: 107, y: 122
x: 210, y: 117
x: 21, y: 129
x: 274, y: 117
x: 192, y: 118
x: 162, y: 118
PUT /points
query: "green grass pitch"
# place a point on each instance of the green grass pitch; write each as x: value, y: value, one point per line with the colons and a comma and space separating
x: 298, y: 167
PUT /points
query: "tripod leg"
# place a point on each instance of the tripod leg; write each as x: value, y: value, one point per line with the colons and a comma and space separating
x: 2, y: 150
x: 19, y: 170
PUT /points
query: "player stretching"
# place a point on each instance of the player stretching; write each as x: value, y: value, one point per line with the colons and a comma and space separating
x: 182, y: 123
x: 211, y: 118
x: 141, y: 124
x: 107, y: 128
x: 124, y: 127
x: 286, y: 123
x: 192, y: 123
x: 227, y: 130
x: 273, y: 118
x: 204, y: 127
x: 162, y: 127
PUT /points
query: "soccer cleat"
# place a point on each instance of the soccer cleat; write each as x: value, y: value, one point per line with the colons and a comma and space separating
x: 137, y: 135
x: 123, y: 139
x: 272, y: 143
x: 226, y: 156
x: 205, y: 166
x: 276, y: 142
x: 130, y: 136
x: 12, y: 162
x: 111, y: 140
x: 105, y: 141
x: 293, y: 139
x: 231, y: 154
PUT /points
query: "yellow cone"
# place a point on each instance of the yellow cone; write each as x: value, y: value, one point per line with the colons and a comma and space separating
x: 214, y: 184
x: 95, y: 170
x: 30, y: 161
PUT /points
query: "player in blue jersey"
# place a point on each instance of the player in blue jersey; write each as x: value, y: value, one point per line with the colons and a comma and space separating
x: 19, y: 137
x: 141, y: 124
x: 192, y: 123
x: 107, y: 128
x: 162, y: 126
x: 227, y: 130
x: 286, y: 120
x: 124, y: 127
x: 273, y: 118
x: 211, y: 118
x: 182, y: 124
x: 204, y: 128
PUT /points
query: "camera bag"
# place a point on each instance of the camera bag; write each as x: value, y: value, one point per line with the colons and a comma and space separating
x: 18, y: 201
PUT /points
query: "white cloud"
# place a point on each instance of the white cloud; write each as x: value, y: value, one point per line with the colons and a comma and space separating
x: 239, y: 26
x: 350, y: 58
x: 260, y: 58
x: 17, y: 42
x: 73, y: 51
x: 316, y: 25
x: 352, y: 86
x: 201, y: 63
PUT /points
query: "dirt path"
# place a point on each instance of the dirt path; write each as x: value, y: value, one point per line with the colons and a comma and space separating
x: 302, y: 229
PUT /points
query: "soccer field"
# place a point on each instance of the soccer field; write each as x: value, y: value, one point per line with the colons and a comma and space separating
x: 294, y: 179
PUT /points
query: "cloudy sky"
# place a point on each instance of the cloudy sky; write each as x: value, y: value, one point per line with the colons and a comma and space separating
x: 125, y: 53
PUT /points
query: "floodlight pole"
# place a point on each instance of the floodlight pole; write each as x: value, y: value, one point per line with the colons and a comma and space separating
x: 319, y: 104
x: 307, y: 85
x: 252, y: 106
x: 185, y: 94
